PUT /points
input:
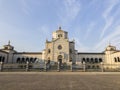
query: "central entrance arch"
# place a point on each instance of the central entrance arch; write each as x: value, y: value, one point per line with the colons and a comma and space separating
x: 59, y: 62
x: 60, y: 59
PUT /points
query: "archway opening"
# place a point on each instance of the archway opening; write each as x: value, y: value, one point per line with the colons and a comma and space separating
x: 60, y: 59
x: 18, y: 60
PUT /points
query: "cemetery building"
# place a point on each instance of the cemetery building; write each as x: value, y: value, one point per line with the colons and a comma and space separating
x: 61, y: 49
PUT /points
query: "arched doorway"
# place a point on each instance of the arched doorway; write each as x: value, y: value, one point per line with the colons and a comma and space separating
x: 60, y: 59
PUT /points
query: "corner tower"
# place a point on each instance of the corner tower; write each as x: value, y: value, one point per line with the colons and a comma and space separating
x: 9, y: 49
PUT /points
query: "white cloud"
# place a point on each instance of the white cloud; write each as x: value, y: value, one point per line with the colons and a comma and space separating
x: 90, y: 28
x: 111, y: 5
x: 107, y: 16
x: 108, y: 24
x: 69, y: 11
x: 108, y: 38
x: 79, y: 46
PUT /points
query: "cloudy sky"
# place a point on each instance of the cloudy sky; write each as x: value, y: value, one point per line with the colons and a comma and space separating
x: 28, y: 23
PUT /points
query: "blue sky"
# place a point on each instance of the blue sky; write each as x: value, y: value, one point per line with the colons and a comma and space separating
x: 28, y: 23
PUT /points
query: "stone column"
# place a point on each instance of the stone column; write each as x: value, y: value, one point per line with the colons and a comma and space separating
x: 45, y: 66
x: 1, y: 66
x: 84, y: 66
x: 27, y: 66
x: 102, y: 70
x: 58, y: 68
x: 71, y: 67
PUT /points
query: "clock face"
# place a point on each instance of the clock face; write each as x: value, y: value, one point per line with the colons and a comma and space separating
x: 59, y: 47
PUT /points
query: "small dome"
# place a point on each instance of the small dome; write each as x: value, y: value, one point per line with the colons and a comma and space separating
x: 110, y: 48
x: 60, y: 30
x: 8, y: 47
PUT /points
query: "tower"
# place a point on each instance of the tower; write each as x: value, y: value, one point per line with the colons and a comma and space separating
x: 60, y: 49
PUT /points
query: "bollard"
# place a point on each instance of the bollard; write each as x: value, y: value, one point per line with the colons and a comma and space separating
x: 27, y: 66
x: 1, y: 66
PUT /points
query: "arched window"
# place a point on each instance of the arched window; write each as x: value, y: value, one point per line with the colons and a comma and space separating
x: 27, y: 59
x: 31, y: 59
x: 34, y: 60
x: 96, y: 60
x: 87, y: 59
x: 3, y: 59
x: 115, y: 59
x: 18, y: 60
x: 83, y: 60
x: 100, y: 60
x: 60, y: 35
x: 118, y: 59
x: 23, y: 60
x: 91, y: 60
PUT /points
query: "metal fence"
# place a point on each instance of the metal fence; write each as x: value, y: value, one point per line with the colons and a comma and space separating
x: 60, y: 67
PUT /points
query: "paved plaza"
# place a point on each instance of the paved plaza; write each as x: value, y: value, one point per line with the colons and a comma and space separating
x: 59, y: 81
